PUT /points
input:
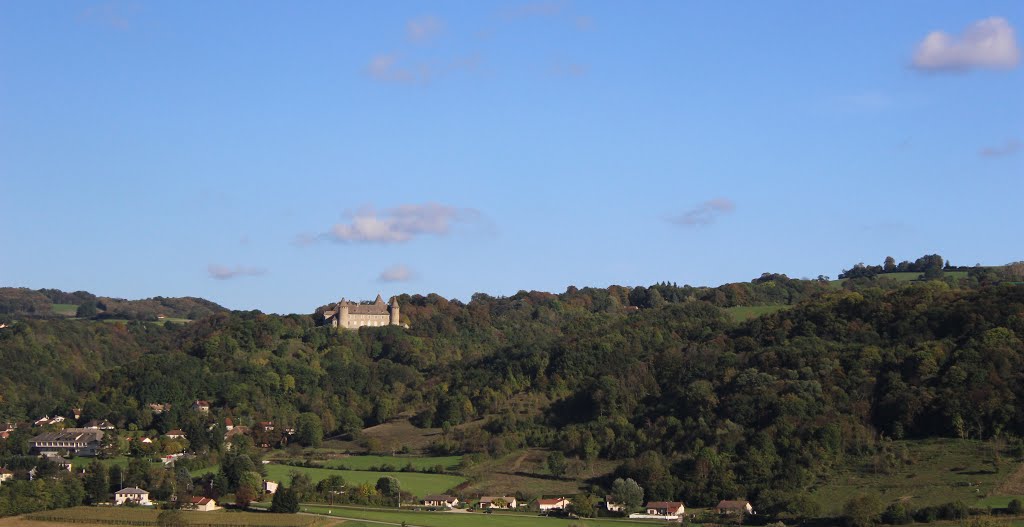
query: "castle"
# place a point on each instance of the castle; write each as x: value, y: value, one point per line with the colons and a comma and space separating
x: 349, y: 315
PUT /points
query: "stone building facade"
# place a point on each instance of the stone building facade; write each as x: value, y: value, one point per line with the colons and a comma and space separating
x: 349, y: 315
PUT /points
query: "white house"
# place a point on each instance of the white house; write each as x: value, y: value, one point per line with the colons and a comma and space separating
x: 440, y: 500
x: 506, y: 502
x: 612, y: 506
x: 5, y: 475
x: 203, y: 504
x: 662, y: 510
x: 132, y: 495
x: 269, y: 487
x: 553, y: 504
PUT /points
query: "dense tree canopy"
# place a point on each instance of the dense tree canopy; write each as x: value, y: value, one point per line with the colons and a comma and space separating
x: 690, y: 402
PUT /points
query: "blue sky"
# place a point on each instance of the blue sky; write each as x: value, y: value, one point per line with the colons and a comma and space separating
x: 279, y: 156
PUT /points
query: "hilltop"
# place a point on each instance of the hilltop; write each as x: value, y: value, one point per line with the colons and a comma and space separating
x: 662, y: 384
x: 54, y: 303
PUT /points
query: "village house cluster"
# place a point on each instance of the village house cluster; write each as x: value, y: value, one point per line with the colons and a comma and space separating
x: 59, y: 437
x: 653, y: 510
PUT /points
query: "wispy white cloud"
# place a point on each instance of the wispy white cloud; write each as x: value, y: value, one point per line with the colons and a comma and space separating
x: 398, y: 224
x: 705, y: 214
x: 1011, y: 147
x: 390, y: 67
x: 397, y: 273
x: 385, y: 67
x: 424, y: 29
x: 988, y: 43
x: 223, y: 272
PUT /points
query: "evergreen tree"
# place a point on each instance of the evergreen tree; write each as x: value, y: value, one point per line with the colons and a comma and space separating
x: 96, y: 485
x: 285, y: 501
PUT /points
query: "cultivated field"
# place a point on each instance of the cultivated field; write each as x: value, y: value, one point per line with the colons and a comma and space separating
x: 417, y: 483
x: 147, y: 517
x: 941, y: 471
x: 466, y: 519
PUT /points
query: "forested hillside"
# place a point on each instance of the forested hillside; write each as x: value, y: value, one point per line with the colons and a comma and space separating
x: 51, y: 303
x: 690, y: 402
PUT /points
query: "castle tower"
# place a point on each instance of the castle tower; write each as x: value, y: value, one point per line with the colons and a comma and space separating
x: 343, y: 314
x: 394, y: 311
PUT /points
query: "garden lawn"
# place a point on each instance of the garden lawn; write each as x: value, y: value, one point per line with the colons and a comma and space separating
x: 417, y: 483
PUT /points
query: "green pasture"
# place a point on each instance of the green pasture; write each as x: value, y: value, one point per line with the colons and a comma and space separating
x: 417, y: 483
x: 68, y: 310
x: 940, y: 471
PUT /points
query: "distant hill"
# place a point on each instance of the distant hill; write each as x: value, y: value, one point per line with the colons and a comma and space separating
x: 54, y: 303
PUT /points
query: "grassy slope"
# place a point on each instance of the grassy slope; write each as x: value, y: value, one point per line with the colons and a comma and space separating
x: 526, y: 472
x: 417, y: 483
x: 907, y: 277
x: 942, y: 470
x: 68, y: 310
x: 419, y: 463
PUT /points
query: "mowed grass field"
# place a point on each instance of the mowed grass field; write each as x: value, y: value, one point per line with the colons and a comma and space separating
x: 467, y: 519
x: 417, y: 483
x: 68, y: 310
x: 742, y: 313
x: 419, y: 463
x: 143, y: 516
x: 942, y: 470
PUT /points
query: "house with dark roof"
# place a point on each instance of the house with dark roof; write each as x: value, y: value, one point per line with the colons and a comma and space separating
x: 77, y: 441
x: 133, y: 495
x: 201, y: 406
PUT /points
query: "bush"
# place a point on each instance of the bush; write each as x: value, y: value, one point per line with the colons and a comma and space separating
x: 896, y: 514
